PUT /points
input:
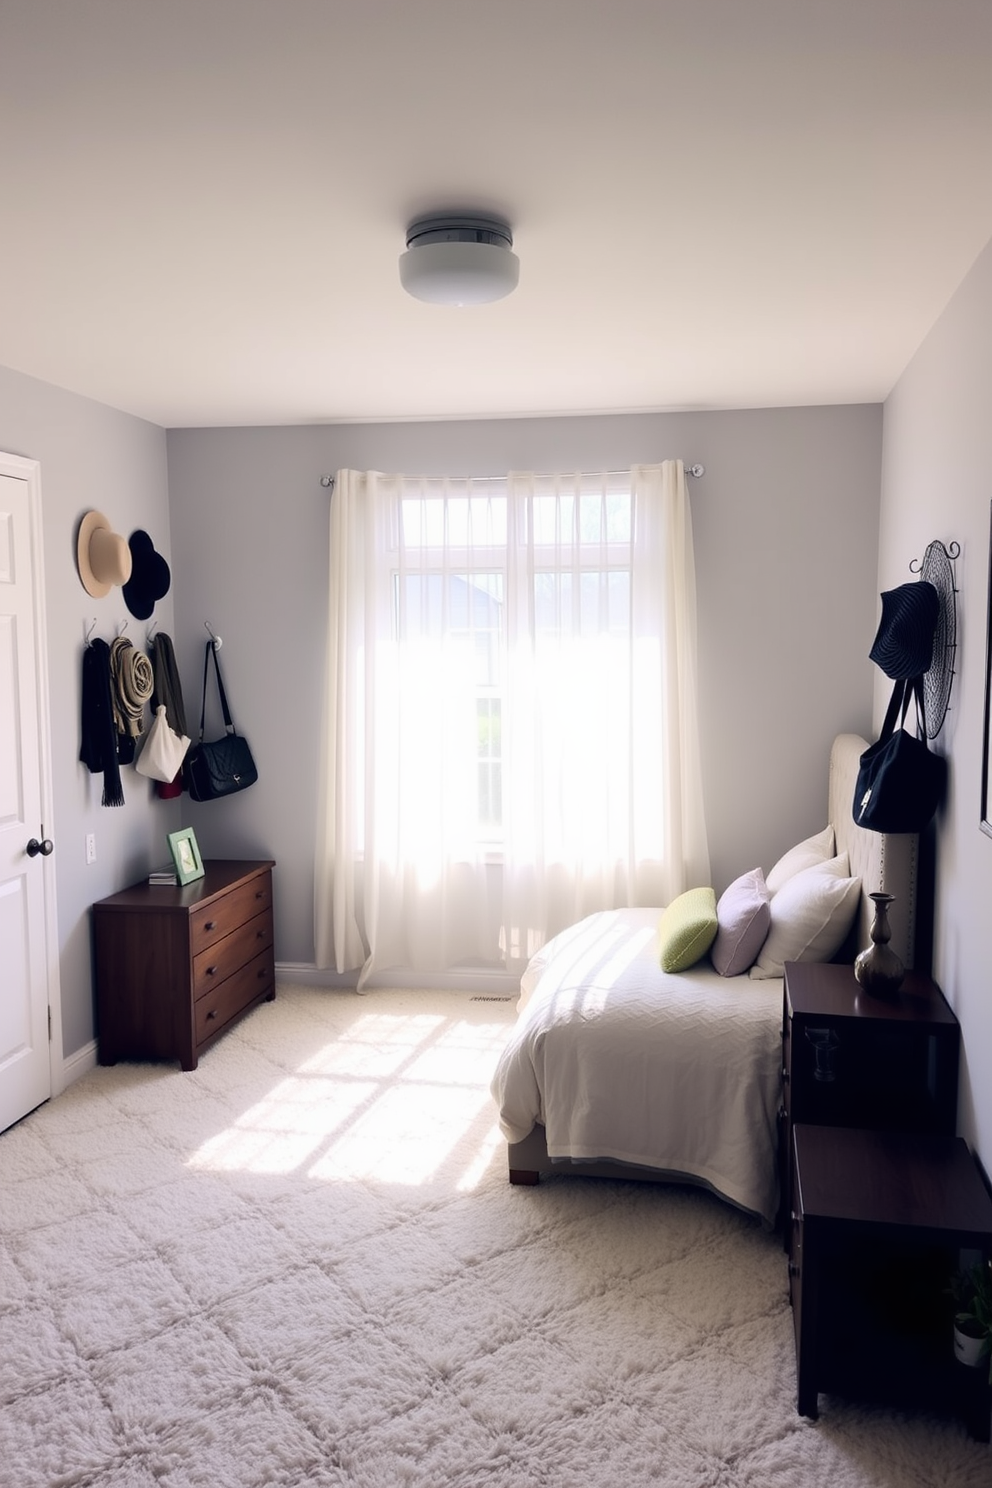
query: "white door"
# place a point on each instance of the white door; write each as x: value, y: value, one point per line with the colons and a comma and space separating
x: 28, y: 962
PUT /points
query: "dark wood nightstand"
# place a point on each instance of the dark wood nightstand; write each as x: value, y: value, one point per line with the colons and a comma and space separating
x: 853, y: 1060
x: 879, y: 1219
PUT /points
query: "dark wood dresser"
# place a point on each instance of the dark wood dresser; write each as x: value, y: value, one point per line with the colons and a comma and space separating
x: 175, y: 967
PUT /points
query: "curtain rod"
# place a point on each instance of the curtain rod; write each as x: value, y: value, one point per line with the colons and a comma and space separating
x: 696, y: 470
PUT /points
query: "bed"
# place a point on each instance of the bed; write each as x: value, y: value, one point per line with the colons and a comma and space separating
x: 616, y: 1068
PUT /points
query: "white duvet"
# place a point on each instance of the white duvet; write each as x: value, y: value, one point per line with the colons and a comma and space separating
x: 618, y: 1059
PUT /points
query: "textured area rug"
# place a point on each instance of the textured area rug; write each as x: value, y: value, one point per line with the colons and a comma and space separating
x: 302, y: 1263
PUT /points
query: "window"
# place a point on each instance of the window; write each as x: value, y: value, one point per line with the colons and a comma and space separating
x: 449, y: 583
x: 511, y: 713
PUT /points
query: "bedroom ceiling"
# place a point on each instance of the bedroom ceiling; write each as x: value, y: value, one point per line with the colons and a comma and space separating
x: 716, y: 203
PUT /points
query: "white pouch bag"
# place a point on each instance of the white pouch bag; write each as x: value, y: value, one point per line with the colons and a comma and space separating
x: 164, y: 750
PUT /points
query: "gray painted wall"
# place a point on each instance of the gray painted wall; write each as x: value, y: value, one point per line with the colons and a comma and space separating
x: 785, y: 522
x: 90, y: 456
x: 936, y: 462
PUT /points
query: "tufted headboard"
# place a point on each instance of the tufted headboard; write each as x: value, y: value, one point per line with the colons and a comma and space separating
x: 886, y: 862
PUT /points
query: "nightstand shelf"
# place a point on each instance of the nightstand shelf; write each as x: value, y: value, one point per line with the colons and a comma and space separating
x: 879, y: 1219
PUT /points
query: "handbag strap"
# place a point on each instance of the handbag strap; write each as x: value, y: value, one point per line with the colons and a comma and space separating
x: 211, y: 650
x: 898, y: 703
x: 905, y: 690
x: 921, y: 711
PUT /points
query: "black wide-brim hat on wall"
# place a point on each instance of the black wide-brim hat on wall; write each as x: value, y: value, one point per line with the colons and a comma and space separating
x: 903, y: 645
x: 150, y: 576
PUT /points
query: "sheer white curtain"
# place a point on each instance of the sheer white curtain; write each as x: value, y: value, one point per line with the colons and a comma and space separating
x: 510, y: 728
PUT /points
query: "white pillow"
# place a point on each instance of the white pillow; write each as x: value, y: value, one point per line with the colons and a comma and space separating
x: 804, y: 855
x: 811, y: 915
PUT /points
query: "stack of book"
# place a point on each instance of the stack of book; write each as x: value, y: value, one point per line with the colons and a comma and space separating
x: 163, y: 876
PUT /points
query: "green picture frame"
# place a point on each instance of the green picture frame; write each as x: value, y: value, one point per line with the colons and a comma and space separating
x: 185, y: 855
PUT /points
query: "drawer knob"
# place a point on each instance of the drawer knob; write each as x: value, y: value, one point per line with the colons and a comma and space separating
x: 793, y: 1269
x: 211, y: 971
x: 260, y: 894
x: 212, y: 1014
x: 785, y: 1077
x: 210, y: 925
x: 259, y: 934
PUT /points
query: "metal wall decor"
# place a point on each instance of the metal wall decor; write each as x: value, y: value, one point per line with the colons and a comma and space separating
x: 935, y: 567
x: 987, y: 741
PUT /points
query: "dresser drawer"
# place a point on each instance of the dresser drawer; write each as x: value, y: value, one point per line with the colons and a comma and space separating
x: 224, y: 915
x: 233, y: 995
x: 215, y: 965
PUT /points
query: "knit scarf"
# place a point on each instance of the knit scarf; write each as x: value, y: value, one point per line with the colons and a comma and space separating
x: 132, y: 678
x: 98, y: 750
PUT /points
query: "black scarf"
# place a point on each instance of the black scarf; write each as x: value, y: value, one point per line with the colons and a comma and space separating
x: 168, y: 688
x: 98, y: 750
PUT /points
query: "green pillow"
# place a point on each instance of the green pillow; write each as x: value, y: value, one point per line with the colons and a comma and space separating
x: 687, y: 929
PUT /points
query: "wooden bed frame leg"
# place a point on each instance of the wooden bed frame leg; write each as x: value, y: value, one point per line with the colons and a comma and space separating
x: 523, y: 1175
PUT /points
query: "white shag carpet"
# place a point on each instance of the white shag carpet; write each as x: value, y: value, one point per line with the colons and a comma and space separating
x: 302, y: 1263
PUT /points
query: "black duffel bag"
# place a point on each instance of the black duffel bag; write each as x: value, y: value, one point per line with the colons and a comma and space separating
x: 900, y: 780
x: 221, y: 766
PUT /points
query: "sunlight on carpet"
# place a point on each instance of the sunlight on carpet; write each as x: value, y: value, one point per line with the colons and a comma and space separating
x: 387, y: 1098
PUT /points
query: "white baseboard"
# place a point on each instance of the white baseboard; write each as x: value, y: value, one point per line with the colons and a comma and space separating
x: 77, y: 1065
x: 306, y: 974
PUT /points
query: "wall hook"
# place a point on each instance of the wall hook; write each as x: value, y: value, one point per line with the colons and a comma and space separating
x: 88, y: 631
x: 215, y: 638
x: 121, y: 628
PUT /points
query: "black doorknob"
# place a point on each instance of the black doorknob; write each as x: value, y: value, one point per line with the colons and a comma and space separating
x: 45, y: 847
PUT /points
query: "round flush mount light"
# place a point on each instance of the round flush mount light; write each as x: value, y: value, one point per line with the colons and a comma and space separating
x: 459, y: 259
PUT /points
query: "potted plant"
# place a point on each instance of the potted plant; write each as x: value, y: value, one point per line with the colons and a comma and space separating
x: 972, y: 1293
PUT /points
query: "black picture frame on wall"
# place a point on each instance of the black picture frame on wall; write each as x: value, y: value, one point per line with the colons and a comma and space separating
x: 987, y: 736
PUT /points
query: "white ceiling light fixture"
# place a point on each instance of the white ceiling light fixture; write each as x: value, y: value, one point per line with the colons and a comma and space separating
x: 456, y: 258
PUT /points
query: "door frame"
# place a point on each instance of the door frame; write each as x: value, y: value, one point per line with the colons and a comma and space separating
x: 30, y: 472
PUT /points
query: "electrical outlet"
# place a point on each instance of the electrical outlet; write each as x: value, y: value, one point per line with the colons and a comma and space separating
x: 91, y: 847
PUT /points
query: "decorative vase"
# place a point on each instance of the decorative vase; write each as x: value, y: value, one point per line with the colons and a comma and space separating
x: 878, y: 969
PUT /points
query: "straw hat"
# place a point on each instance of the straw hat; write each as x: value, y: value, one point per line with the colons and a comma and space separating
x: 102, y: 555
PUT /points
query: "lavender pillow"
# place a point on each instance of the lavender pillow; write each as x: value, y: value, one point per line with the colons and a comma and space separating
x: 744, y: 918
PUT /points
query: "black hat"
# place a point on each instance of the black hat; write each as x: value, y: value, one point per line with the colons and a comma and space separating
x: 150, y: 576
x: 903, y: 646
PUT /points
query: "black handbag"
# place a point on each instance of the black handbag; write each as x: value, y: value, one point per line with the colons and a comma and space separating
x: 221, y: 766
x: 900, y: 780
